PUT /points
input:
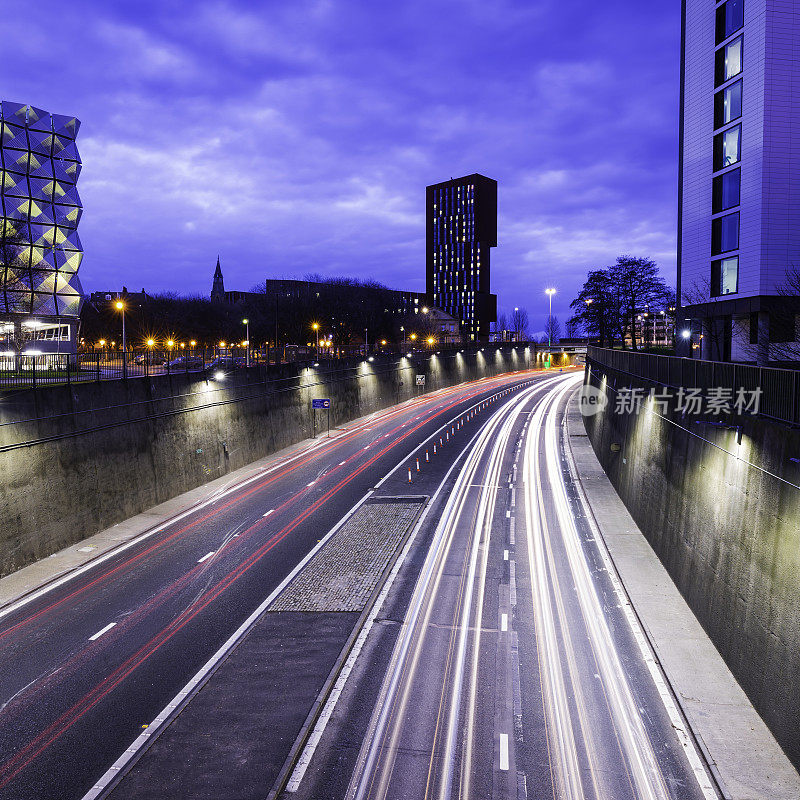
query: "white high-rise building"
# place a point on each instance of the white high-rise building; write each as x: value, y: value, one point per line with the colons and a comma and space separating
x: 739, y: 181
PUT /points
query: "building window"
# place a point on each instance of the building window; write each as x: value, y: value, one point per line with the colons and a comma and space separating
x: 730, y: 17
x: 725, y: 276
x: 725, y: 234
x: 728, y: 62
x: 728, y: 104
x: 727, y: 147
x: 726, y: 190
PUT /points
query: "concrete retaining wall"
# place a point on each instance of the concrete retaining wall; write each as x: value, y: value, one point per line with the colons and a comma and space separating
x: 97, y: 453
x: 721, y: 508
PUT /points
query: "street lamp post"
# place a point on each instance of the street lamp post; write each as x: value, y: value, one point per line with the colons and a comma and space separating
x: 589, y: 301
x: 120, y: 306
x: 366, y: 342
x: 550, y: 293
x: 315, y: 326
x: 246, y: 322
x: 403, y: 331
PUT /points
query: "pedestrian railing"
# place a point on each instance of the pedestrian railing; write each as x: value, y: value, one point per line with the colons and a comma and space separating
x: 778, y: 389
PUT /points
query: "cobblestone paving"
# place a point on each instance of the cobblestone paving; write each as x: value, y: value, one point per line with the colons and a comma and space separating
x: 343, y: 575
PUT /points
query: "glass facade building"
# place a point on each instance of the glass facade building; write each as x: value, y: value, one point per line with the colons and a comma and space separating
x: 461, y: 227
x: 40, y: 251
x: 739, y: 192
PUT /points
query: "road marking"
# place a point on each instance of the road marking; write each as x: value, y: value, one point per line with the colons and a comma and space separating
x: 505, y: 555
x: 102, y: 631
x: 266, y: 515
x: 367, y: 447
x: 205, y: 557
x: 342, y: 463
x: 504, y: 751
x: 504, y: 622
x: 311, y: 484
x: 508, y: 515
x: 512, y: 582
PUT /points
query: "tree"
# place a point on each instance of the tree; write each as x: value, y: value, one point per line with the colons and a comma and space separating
x: 552, y: 331
x: 612, y: 298
x: 519, y: 324
x: 596, y: 308
x: 638, y: 285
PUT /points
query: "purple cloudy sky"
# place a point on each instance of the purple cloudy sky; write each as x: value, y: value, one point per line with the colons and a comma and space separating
x: 298, y: 136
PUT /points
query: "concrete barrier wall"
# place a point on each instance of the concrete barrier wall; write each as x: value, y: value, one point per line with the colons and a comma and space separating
x: 75, y: 460
x: 721, y: 508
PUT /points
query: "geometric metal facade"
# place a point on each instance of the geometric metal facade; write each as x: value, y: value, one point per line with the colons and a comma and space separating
x: 39, y: 169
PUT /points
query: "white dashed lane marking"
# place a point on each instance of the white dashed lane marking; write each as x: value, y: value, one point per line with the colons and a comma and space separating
x: 102, y: 631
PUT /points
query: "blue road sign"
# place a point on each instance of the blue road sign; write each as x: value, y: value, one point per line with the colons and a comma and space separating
x: 321, y: 402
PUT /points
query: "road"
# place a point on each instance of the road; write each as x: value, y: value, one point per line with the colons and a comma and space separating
x: 88, y: 663
x: 518, y: 669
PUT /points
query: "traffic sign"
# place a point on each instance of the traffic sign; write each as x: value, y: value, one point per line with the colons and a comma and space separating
x: 420, y: 380
x: 321, y: 402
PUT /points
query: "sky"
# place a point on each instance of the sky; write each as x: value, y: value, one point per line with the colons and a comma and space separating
x: 298, y: 137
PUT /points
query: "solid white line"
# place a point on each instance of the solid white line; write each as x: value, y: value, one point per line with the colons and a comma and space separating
x: 205, y: 671
x: 504, y: 751
x: 205, y: 557
x: 269, y: 512
x: 504, y: 622
x: 102, y: 631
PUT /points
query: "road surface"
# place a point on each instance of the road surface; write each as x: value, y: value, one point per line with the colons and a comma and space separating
x: 89, y: 663
x: 518, y: 669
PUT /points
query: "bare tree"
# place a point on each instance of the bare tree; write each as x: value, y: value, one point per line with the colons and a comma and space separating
x: 519, y: 324
x: 552, y: 331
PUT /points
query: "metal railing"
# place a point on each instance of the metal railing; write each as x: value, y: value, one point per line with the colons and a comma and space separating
x: 780, y: 388
x: 26, y: 371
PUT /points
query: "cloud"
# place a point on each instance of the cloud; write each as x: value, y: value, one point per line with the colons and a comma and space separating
x: 298, y: 137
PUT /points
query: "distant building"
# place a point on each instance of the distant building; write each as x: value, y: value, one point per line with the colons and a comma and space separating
x: 461, y: 229
x: 40, y: 293
x: 288, y: 289
x: 218, y: 287
x: 105, y: 299
x: 446, y: 326
x: 739, y: 179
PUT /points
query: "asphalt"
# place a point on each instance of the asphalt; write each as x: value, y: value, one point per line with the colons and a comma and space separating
x: 92, y: 660
x: 494, y: 673
x: 746, y: 761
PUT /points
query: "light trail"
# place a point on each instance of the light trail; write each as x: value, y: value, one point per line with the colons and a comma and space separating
x: 373, y: 773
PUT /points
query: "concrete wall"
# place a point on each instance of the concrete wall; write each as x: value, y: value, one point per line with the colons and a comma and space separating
x: 137, y: 444
x: 723, y: 515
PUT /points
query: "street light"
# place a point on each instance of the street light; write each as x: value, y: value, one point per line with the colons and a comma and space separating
x: 550, y: 293
x: 431, y: 341
x: 120, y: 306
x: 246, y: 322
x: 589, y: 301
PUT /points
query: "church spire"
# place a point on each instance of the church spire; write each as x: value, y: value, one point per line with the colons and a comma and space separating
x: 218, y: 287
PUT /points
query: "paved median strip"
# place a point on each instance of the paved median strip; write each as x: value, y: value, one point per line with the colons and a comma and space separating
x: 343, y: 575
